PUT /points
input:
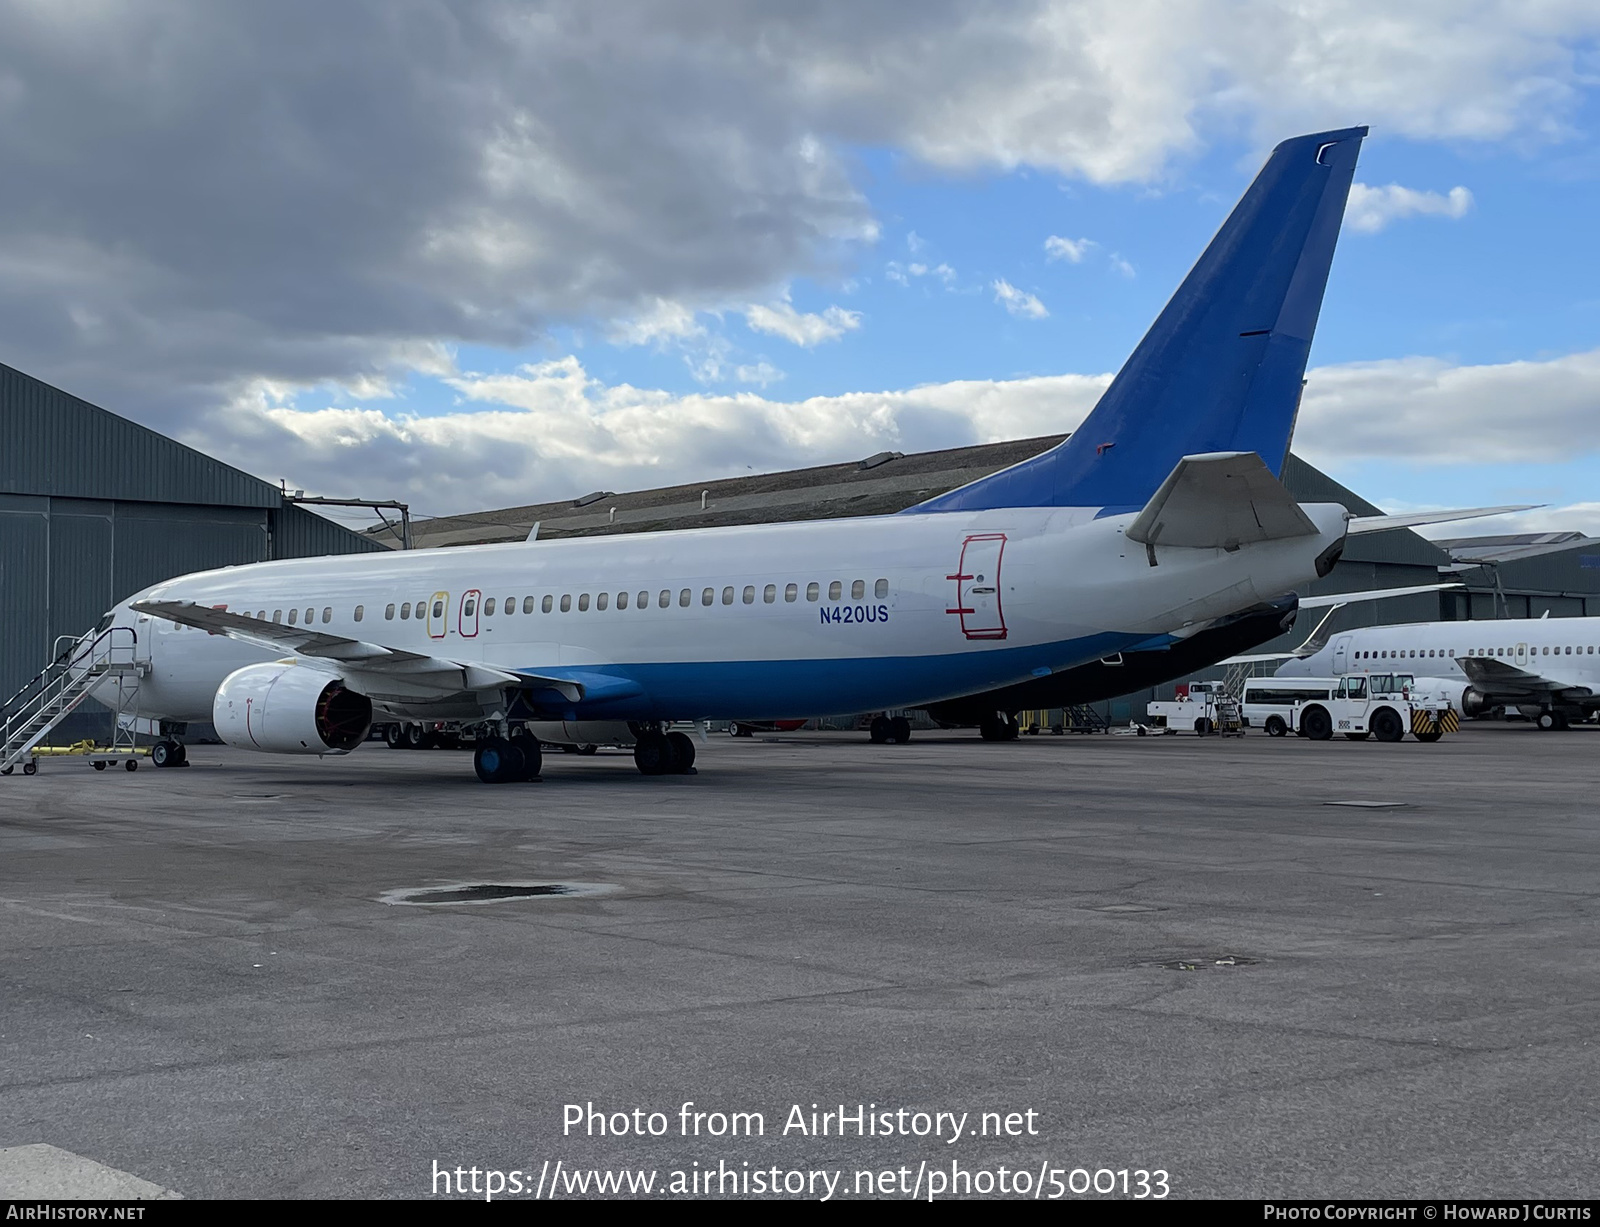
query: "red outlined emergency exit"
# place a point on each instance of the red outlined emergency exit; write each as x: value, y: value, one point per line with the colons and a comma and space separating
x: 978, y: 587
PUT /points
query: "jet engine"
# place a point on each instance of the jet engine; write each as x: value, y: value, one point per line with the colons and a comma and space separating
x: 285, y: 708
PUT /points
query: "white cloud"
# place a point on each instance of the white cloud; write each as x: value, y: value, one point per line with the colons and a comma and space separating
x: 806, y: 329
x: 662, y: 321
x: 1428, y: 411
x: 1372, y: 208
x: 1072, y: 250
x: 1119, y: 265
x: 1018, y: 302
x: 548, y: 430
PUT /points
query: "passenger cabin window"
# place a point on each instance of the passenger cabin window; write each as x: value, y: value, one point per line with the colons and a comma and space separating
x: 622, y: 600
x: 388, y: 613
x: 470, y: 606
x: 858, y: 589
x: 644, y: 600
x: 566, y: 602
x: 438, y: 609
x: 769, y: 594
x: 683, y: 598
x: 546, y: 604
x: 294, y: 616
x: 813, y: 591
x: 602, y: 600
x: 327, y: 614
x: 527, y: 604
x: 509, y: 605
x: 748, y: 596
x: 727, y: 596
x: 405, y: 611
x: 835, y: 590
x: 708, y: 596
x: 360, y: 611
x: 488, y: 607
x: 880, y: 589
x: 583, y: 602
x: 790, y: 592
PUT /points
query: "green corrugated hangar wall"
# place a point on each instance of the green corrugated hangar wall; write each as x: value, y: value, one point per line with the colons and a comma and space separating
x: 94, y: 507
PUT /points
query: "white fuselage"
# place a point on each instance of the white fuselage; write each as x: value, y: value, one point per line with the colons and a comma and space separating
x: 1564, y: 650
x: 749, y: 622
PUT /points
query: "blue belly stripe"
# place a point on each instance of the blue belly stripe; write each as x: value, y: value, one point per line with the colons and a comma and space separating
x: 773, y: 689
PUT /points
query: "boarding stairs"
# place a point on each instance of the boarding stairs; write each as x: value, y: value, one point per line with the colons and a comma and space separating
x: 101, y: 663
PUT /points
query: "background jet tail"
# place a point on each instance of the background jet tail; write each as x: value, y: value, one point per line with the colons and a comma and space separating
x: 1221, y: 368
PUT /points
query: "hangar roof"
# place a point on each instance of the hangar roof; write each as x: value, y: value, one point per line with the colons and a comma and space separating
x: 877, y: 485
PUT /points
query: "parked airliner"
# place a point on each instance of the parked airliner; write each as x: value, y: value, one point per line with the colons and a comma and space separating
x: 1548, y: 669
x: 1160, y: 515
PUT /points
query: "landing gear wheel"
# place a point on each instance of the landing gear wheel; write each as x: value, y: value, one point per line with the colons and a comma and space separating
x: 878, y: 730
x: 497, y: 761
x: 740, y: 730
x: 653, y: 754
x: 1202, y: 727
x: 900, y: 729
x: 682, y: 753
x: 33, y: 768
x: 394, y: 736
x: 1386, y: 724
x: 1275, y: 727
x: 1549, y: 720
x: 414, y: 737
x: 166, y: 754
x: 998, y: 727
x: 527, y: 745
x: 1317, y: 724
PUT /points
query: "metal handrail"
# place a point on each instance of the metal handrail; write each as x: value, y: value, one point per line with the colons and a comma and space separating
x: 65, y: 661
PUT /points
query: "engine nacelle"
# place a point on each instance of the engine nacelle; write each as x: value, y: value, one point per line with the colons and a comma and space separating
x: 1475, y: 703
x: 290, y: 709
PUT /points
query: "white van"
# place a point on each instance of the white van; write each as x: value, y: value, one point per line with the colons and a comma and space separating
x: 1268, y: 701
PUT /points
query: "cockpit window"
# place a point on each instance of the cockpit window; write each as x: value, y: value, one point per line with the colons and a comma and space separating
x: 106, y: 619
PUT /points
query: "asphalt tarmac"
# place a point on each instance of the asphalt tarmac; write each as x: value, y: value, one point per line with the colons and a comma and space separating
x: 1177, y: 954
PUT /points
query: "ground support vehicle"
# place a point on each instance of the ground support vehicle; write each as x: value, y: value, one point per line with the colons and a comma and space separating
x: 1201, y: 708
x: 1378, y: 705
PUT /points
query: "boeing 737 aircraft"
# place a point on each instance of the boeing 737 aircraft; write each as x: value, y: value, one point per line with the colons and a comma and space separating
x: 1161, y: 514
x: 1546, y: 668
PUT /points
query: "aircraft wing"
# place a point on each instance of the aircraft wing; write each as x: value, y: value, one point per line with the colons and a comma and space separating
x: 1495, y: 677
x: 1333, y: 602
x: 1412, y: 519
x: 415, y: 670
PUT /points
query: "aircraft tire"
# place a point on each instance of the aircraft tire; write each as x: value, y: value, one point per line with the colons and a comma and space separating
x: 652, y: 754
x: 497, y: 761
x: 1549, y: 720
x: 1202, y: 727
x: 414, y: 737
x: 1316, y: 724
x: 878, y: 731
x: 394, y: 736
x: 682, y: 753
x: 1386, y: 725
x: 1275, y: 727
x: 900, y: 729
x: 532, y: 757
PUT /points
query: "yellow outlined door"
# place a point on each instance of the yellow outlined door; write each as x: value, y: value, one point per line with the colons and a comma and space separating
x: 439, y: 615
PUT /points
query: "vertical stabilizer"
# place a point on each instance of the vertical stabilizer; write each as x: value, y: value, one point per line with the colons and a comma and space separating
x: 1221, y: 368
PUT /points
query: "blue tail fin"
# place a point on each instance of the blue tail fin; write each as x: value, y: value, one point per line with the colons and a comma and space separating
x: 1221, y: 368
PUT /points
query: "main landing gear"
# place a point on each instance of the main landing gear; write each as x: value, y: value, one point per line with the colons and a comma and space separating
x: 885, y: 729
x: 1002, y: 726
x: 658, y: 753
x: 507, y: 760
x: 1552, y: 720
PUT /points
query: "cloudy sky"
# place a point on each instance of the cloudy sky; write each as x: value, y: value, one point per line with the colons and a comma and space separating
x: 474, y: 254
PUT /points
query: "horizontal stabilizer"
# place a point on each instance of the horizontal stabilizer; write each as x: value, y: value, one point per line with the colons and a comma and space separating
x: 1411, y: 519
x: 1337, y: 599
x: 1220, y: 500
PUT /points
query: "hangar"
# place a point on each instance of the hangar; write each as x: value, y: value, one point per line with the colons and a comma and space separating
x: 94, y: 507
